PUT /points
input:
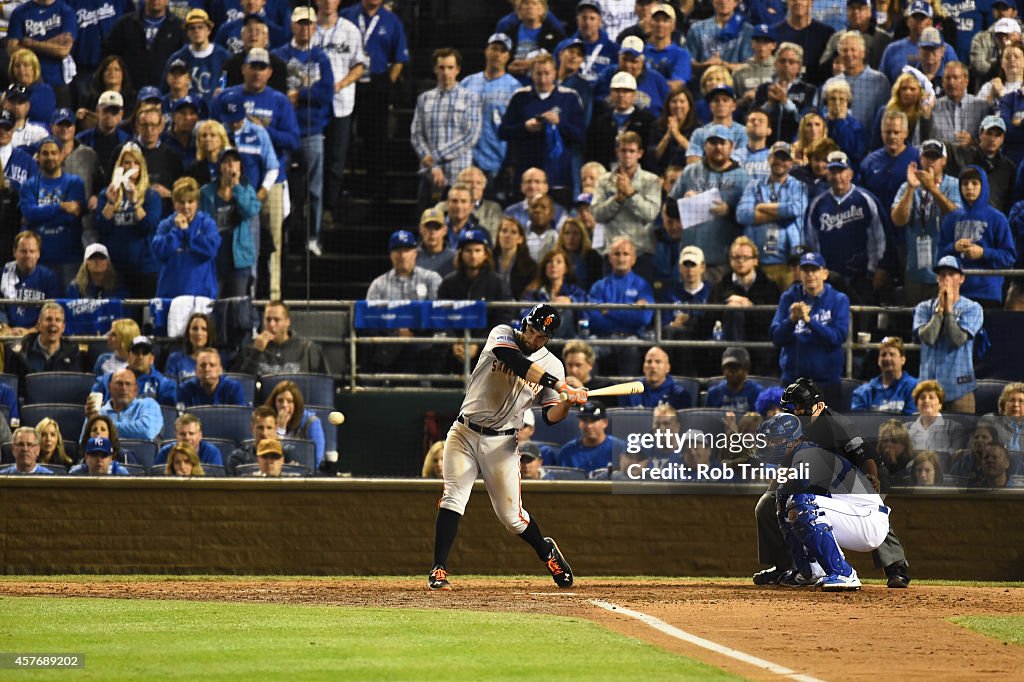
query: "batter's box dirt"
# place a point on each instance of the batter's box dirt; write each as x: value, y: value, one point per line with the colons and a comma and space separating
x: 902, y: 634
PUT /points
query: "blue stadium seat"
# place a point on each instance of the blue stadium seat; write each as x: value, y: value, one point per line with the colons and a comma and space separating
x: 565, y: 474
x: 231, y: 422
x: 691, y: 386
x: 706, y: 419
x: 68, y: 417
x: 58, y: 387
x: 286, y: 470
x: 317, y: 389
x: 623, y: 421
x: 846, y: 387
x: 56, y: 468
x: 158, y: 470
x: 225, y: 446
x: 296, y: 449
x: 986, y: 396
x: 170, y: 415
x: 214, y: 471
x: 136, y: 469
x: 330, y: 431
x: 248, y: 382
x: 561, y: 433
x: 11, y: 380
x: 145, y: 450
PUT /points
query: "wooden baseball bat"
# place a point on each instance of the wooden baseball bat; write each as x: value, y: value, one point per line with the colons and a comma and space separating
x: 628, y: 388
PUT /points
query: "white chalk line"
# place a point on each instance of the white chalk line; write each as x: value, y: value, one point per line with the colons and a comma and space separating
x: 673, y: 631
x: 553, y: 594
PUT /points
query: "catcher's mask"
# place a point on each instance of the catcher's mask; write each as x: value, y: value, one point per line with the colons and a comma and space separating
x: 544, y: 318
x: 778, y: 433
x: 802, y: 394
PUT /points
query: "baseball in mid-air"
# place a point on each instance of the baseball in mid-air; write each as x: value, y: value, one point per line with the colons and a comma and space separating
x: 336, y: 418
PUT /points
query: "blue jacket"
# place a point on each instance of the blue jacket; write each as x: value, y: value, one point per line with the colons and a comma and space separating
x: 278, y: 116
x: 42, y: 102
x: 575, y: 454
x: 316, y: 99
x: 128, y: 240
x: 989, y: 229
x: 882, y: 174
x: 873, y: 396
x: 40, y: 200
x: 673, y: 63
x: 228, y: 392
x: 187, y: 257
x: 243, y: 246
x: 669, y: 393
x: 848, y: 133
x: 229, y: 35
x: 607, y: 53
x: 743, y: 400
x: 385, y: 44
x: 849, y: 231
x: 180, y: 366
x: 96, y: 19
x: 535, y: 149
x: 628, y: 288
x: 208, y: 454
x: 651, y: 88
x: 205, y: 71
x: 812, y: 350
x: 151, y: 385
x: 258, y: 155
x: 43, y: 22
x: 20, y: 167
x: 1011, y: 107
x: 311, y: 428
x: 40, y: 285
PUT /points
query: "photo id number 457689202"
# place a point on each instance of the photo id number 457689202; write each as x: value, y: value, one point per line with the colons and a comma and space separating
x: 25, y: 661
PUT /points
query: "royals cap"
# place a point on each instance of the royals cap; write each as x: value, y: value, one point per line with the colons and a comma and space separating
x: 763, y: 32
x: 473, y: 237
x: 837, y: 161
x: 934, y: 148
x: 99, y: 446
x: 623, y: 81
x: 186, y: 101
x: 110, y: 98
x: 501, y: 39
x: 920, y: 7
x: 993, y: 121
x: 948, y: 263
x: 402, y: 239
x: 930, y: 37
x: 812, y: 259
x: 150, y: 93
x: 588, y: 4
x: 62, y: 116
x: 17, y: 93
x: 178, y: 65
x: 7, y: 119
x: 721, y: 90
x: 143, y: 343
x: 592, y: 411
x: 232, y: 107
x: 584, y: 199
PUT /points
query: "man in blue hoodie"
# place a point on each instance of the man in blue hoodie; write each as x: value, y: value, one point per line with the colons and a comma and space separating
x: 51, y: 205
x: 599, y: 50
x: 980, y: 236
x: 311, y: 92
x: 810, y: 327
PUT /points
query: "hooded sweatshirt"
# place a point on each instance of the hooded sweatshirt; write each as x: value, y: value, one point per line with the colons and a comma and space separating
x: 989, y: 229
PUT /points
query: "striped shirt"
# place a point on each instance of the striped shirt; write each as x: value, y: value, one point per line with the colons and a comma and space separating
x: 344, y: 47
x: 421, y: 285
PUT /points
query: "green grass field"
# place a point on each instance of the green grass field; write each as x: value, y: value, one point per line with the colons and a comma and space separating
x: 1008, y: 629
x: 149, y: 640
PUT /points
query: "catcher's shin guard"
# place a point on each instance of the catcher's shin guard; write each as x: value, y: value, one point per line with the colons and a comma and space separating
x: 816, y: 535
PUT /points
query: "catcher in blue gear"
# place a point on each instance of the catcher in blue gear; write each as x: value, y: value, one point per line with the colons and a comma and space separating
x: 827, y: 506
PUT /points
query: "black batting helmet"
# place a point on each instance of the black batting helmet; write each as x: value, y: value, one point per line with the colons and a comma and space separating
x: 802, y: 394
x: 544, y: 318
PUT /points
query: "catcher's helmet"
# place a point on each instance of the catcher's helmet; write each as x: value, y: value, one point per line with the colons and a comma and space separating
x: 544, y: 318
x: 778, y: 433
x: 802, y: 394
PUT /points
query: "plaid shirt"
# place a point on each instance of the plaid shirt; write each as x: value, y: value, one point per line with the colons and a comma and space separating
x: 952, y: 367
x: 420, y: 286
x: 445, y: 126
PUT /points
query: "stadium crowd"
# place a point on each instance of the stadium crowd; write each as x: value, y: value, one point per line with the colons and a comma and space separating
x: 801, y: 155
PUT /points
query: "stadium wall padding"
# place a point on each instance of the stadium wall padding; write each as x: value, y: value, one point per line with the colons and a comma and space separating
x: 386, y: 527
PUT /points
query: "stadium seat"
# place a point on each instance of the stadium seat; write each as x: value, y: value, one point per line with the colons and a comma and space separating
x: 158, y: 470
x: 68, y: 417
x: 330, y: 431
x: 320, y: 324
x: 56, y: 468
x: 565, y: 474
x: 11, y: 380
x: 317, y: 389
x: 225, y: 446
x: 135, y: 469
x: 170, y: 415
x: 623, y: 421
x: 248, y: 382
x: 214, y: 471
x: 986, y: 396
x: 58, y: 387
x: 224, y: 421
x: 286, y: 470
x: 846, y: 387
x: 561, y: 433
x: 145, y: 450
x: 297, y: 449
x: 706, y: 419
x: 692, y: 388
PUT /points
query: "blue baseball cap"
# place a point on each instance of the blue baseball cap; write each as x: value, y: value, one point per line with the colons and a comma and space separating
x: 718, y: 131
x: 149, y: 92
x: 17, y: 92
x: 837, y: 161
x: 720, y: 90
x: 501, y: 38
x: 948, y: 263
x: 584, y: 199
x: 588, y: 4
x: 1012, y: 4
x: 99, y: 445
x: 920, y: 7
x: 62, y: 116
x: 186, y: 101
x: 402, y: 239
x: 232, y: 107
x: 473, y: 237
x: 993, y: 121
x: 763, y: 32
x: 812, y: 259
x: 7, y: 119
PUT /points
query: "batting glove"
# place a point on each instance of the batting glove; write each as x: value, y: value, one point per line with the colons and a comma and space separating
x: 574, y: 396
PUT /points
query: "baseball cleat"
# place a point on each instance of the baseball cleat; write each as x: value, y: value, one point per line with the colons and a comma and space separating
x: 794, y: 578
x: 898, y: 575
x: 438, y: 579
x: 769, y: 576
x: 558, y: 566
x: 837, y: 582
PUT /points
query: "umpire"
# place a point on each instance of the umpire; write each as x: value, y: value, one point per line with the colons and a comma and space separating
x: 834, y: 432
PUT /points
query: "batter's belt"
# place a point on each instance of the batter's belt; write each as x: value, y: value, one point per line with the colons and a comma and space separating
x: 483, y: 430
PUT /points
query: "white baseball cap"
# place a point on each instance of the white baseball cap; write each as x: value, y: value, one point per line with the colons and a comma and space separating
x: 623, y: 81
x: 110, y: 98
x: 96, y: 249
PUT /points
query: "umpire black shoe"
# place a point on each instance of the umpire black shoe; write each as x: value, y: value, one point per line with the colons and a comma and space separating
x: 898, y: 575
x: 558, y: 566
x: 794, y: 578
x: 769, y: 576
x: 438, y: 579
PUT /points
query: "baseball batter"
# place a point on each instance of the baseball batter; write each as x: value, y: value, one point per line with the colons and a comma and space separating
x: 831, y: 505
x: 513, y: 369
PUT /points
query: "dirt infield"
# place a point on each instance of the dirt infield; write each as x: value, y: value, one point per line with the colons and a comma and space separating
x: 899, y: 633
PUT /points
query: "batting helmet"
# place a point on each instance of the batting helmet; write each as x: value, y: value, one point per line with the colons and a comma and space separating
x: 778, y: 433
x: 802, y: 394
x: 544, y: 318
